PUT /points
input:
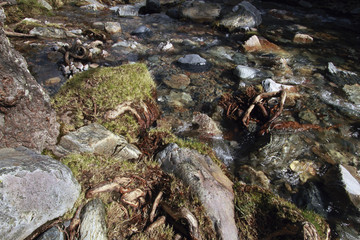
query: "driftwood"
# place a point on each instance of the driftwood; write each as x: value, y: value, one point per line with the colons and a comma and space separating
x: 185, y: 213
x: 155, y: 205
x: 160, y: 221
x: 15, y: 34
x: 258, y: 101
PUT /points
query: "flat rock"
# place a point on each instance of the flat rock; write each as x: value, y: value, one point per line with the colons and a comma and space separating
x: 127, y: 11
x: 34, y: 189
x: 208, y: 181
x: 302, y: 38
x: 142, y: 32
x: 180, y: 81
x: 50, y: 32
x: 194, y: 63
x: 93, y: 225
x: 201, y: 11
x: 95, y: 138
x: 246, y: 72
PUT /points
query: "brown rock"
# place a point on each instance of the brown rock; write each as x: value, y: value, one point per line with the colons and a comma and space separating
x: 26, y: 117
x: 180, y: 81
x: 302, y: 38
x: 255, y: 43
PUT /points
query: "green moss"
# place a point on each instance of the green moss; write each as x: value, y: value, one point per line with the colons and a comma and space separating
x: 257, y: 210
x: 162, y: 232
x: 89, y: 95
x: 23, y: 9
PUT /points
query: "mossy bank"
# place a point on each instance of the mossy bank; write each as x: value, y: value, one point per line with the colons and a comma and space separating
x: 89, y: 95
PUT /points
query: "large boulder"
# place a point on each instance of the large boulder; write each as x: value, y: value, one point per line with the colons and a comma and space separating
x: 34, y: 189
x: 208, y: 181
x: 26, y: 117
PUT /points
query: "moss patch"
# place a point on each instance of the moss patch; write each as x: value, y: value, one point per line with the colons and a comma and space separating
x: 89, y: 95
x: 257, y: 210
x: 24, y: 8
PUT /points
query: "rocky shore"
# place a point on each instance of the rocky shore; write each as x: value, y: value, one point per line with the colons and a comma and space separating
x: 179, y: 120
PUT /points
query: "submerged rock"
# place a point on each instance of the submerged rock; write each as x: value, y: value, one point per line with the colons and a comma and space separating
x: 95, y: 138
x: 250, y: 176
x: 93, y: 225
x: 180, y: 81
x: 194, y: 63
x: 26, y: 117
x: 201, y: 11
x: 142, y: 32
x: 342, y: 77
x: 243, y: 16
x: 246, y: 72
x: 353, y: 93
x: 208, y: 181
x: 34, y: 189
x: 302, y: 38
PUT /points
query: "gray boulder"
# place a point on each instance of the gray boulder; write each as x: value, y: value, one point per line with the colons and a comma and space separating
x: 93, y: 225
x: 26, y: 116
x: 95, y: 138
x: 243, y: 16
x: 208, y: 181
x: 34, y: 189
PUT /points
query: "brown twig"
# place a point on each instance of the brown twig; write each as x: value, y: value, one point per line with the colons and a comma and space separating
x: 75, y: 222
x: 185, y: 213
x: 160, y: 221
x: 155, y: 205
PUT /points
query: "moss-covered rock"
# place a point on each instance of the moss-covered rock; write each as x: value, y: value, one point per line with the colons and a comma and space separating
x: 120, y: 98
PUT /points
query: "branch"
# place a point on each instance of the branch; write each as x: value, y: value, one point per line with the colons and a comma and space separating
x: 15, y: 34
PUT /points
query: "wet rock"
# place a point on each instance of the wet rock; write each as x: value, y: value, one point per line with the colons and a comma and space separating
x: 311, y: 197
x: 180, y: 98
x: 52, y: 81
x: 206, y: 126
x: 246, y: 72
x: 180, y: 81
x: 342, y: 77
x: 127, y: 11
x: 350, y: 109
x: 308, y: 116
x: 270, y: 85
x: 201, y: 11
x: 152, y: 6
x: 305, y: 169
x: 26, y: 117
x: 250, y: 176
x: 208, y: 181
x: 194, y: 63
x: 222, y: 52
x: 302, y: 38
x: 342, y: 184
x: 98, y: 25
x: 353, y: 93
x: 53, y: 233
x: 165, y: 47
x: 95, y: 138
x: 93, y: 225
x: 34, y: 189
x: 256, y: 44
x: 142, y: 32
x: 94, y: 5
x: 243, y: 16
x: 112, y: 27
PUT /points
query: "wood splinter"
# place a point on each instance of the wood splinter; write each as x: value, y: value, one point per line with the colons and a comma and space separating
x: 259, y: 102
x: 155, y: 205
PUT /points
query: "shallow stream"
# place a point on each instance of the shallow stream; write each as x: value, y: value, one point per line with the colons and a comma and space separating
x: 320, y: 98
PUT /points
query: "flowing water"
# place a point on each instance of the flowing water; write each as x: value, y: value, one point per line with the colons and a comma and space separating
x: 320, y: 99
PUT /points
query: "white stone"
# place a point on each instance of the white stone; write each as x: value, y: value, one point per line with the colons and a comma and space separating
x: 245, y: 72
x: 352, y: 186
